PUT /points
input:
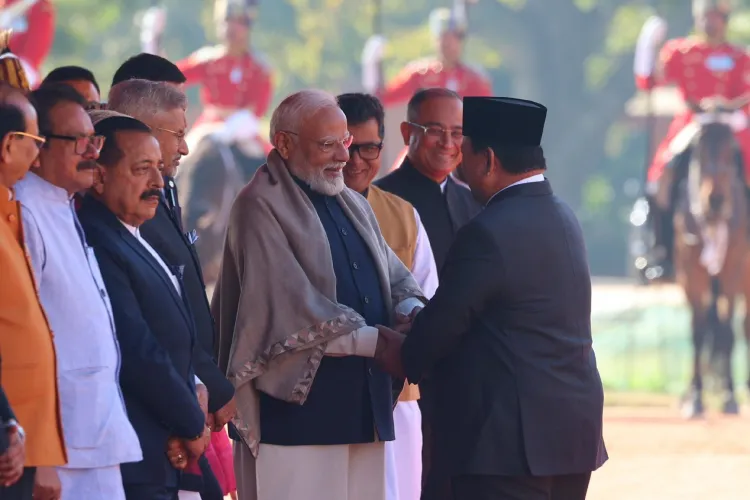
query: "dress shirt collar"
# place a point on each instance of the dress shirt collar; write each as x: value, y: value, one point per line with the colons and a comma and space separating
x: 132, y: 229
x: 533, y: 178
x: 45, y: 189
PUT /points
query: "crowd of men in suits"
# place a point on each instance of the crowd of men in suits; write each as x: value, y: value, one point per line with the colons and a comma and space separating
x: 336, y: 297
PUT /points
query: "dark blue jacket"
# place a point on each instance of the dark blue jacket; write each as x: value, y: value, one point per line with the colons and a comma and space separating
x: 156, y: 332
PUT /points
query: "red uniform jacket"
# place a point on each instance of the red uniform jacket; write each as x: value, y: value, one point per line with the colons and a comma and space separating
x: 427, y: 73
x: 229, y: 83
x: 34, y: 33
x: 699, y: 71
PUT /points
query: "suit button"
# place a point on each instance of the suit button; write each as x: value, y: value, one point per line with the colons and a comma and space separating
x: 367, y: 300
x: 12, y: 218
x: 343, y: 231
x: 370, y: 370
x: 355, y: 265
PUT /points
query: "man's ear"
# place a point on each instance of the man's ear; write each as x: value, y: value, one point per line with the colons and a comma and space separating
x: 5, y: 148
x: 283, y: 144
x: 405, y: 132
x: 491, y: 161
x: 100, y: 175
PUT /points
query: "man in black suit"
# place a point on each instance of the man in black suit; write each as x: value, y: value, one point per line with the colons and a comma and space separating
x: 162, y: 107
x: 154, y: 324
x: 507, y: 335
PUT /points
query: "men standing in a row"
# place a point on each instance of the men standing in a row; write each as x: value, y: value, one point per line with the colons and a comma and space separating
x: 434, y: 132
x: 98, y: 434
x: 162, y: 107
x: 152, y: 318
x: 507, y: 335
x: 28, y: 374
x: 403, y: 231
x: 306, y: 274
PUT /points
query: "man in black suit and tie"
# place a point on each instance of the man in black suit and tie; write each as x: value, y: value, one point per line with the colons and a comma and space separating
x: 154, y: 324
x: 507, y: 335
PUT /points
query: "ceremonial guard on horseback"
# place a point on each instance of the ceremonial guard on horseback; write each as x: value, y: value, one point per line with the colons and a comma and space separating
x: 33, y: 25
x: 713, y: 78
x: 447, y: 69
x: 696, y: 186
x: 227, y: 143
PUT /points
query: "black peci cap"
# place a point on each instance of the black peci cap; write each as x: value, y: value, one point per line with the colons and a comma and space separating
x: 504, y: 120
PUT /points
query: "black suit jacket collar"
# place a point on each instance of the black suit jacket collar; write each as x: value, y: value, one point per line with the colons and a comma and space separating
x: 95, y: 212
x: 527, y: 189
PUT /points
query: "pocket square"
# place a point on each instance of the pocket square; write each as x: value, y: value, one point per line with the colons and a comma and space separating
x: 192, y: 236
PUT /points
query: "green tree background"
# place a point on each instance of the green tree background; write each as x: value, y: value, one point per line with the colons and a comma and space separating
x: 573, y: 55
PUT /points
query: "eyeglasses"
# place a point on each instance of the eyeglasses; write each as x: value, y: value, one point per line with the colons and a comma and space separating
x: 38, y: 140
x: 439, y: 132
x: 327, y: 145
x: 82, y: 142
x: 180, y: 136
x: 367, y: 151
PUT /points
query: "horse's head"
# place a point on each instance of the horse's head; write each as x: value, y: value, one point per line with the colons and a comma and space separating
x: 713, y: 173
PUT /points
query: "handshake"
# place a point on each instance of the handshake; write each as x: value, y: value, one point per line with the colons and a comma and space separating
x: 388, y: 350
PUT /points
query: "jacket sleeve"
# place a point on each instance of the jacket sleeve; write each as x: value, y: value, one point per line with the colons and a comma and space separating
x: 470, y: 277
x: 147, y: 372
x: 220, y: 390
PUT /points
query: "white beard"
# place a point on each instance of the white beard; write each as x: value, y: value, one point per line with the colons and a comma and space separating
x: 320, y: 183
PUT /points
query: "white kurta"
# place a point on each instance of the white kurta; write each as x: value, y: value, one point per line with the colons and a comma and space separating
x: 98, y: 434
x: 403, y: 458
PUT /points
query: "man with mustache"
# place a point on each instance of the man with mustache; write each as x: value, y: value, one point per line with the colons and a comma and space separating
x: 162, y: 107
x: 306, y: 275
x: 433, y: 132
x: 26, y: 345
x: 153, y: 321
x: 98, y: 434
x: 404, y: 233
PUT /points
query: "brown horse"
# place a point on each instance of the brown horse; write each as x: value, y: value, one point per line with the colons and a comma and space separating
x: 710, y: 252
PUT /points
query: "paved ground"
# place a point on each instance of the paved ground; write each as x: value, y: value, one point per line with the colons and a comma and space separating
x: 654, y: 455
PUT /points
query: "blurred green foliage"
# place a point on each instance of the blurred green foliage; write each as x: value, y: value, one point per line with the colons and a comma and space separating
x: 573, y: 55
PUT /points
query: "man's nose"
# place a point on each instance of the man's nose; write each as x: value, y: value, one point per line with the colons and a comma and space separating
x: 183, y: 148
x: 157, y: 180
x: 341, y: 154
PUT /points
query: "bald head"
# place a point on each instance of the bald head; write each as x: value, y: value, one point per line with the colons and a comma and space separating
x: 299, y: 108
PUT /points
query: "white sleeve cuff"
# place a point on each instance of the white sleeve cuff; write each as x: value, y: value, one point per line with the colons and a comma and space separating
x: 360, y: 342
x: 198, y: 381
x: 406, y: 306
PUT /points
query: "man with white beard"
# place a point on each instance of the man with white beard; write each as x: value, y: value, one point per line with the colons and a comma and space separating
x: 306, y: 278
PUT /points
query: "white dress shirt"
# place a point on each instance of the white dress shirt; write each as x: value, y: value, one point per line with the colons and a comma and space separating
x: 71, y: 289
x: 527, y: 180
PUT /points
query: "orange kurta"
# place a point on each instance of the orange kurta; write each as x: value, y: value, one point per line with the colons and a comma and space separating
x: 29, y: 368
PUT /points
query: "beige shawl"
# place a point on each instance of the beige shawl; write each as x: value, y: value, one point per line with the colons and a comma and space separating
x: 275, y: 301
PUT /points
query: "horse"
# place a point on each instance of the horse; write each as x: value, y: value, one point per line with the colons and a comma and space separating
x: 208, y: 180
x: 710, y: 254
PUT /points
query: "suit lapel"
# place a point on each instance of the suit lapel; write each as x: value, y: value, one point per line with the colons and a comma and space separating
x: 138, y: 247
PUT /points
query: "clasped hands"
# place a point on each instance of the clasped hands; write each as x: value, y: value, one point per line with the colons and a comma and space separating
x: 180, y: 450
x: 388, y: 350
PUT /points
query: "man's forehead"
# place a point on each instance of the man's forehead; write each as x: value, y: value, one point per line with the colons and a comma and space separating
x: 174, y: 119
x: 445, y: 110
x: 71, y: 118
x: 329, y: 120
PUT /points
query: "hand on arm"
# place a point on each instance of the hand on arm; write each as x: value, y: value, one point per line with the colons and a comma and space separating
x: 47, y: 484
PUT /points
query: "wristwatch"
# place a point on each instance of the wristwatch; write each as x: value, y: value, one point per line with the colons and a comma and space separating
x: 19, y: 429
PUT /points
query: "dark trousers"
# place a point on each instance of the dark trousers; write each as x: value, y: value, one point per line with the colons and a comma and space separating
x: 568, y: 487
x: 23, y: 489
x: 149, y: 492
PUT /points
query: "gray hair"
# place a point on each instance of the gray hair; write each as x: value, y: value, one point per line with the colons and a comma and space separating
x: 143, y: 99
x: 297, y: 108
